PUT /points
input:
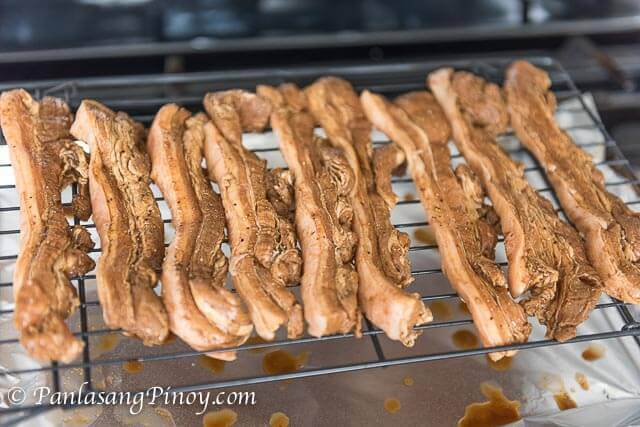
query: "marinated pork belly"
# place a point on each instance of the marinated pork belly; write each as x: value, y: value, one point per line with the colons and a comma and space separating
x: 546, y: 255
x: 128, y: 222
x: 264, y: 257
x: 393, y: 244
x: 386, y: 160
x: 610, y: 228
x: 201, y: 310
x: 377, y: 167
x: 45, y: 160
x: 455, y: 204
x: 337, y: 108
x: 323, y: 216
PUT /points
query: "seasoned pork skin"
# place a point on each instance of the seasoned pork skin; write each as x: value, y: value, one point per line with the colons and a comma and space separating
x: 336, y: 106
x: 128, y: 221
x: 455, y: 205
x: 202, y: 312
x: 323, y: 216
x: 45, y: 160
x: 546, y: 255
x: 264, y: 256
x: 610, y: 228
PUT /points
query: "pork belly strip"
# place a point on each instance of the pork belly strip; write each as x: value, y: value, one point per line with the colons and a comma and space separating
x: 393, y: 244
x: 336, y: 107
x: 454, y: 203
x: 128, y: 222
x: 202, y: 312
x: 611, y: 229
x: 546, y: 255
x: 45, y: 160
x: 376, y: 167
x: 257, y: 205
x: 323, y: 216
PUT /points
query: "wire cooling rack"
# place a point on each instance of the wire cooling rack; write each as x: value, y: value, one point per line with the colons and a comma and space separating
x: 142, y: 96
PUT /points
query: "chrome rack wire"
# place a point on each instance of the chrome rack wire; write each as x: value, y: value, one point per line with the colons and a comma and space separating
x: 141, y: 96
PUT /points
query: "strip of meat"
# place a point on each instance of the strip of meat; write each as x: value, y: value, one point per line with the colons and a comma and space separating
x: 455, y: 205
x: 264, y: 257
x: 128, y: 222
x: 393, y: 244
x: 611, y: 229
x: 201, y: 310
x: 323, y: 216
x: 546, y: 255
x: 45, y: 160
x: 336, y: 106
x: 386, y: 160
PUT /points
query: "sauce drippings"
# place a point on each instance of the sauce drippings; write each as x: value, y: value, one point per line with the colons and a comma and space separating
x: 408, y: 197
x: 497, y: 411
x: 391, y: 405
x: 256, y: 340
x: 441, y: 310
x: 108, y: 342
x: 222, y: 418
x: 582, y: 380
x: 564, y: 401
x: 278, y: 419
x: 77, y: 419
x: 465, y: 340
x: 500, y: 365
x: 425, y: 235
x: 463, y: 308
x: 593, y: 352
x: 133, y: 366
x: 284, y: 384
x: 282, y: 362
x: 214, y: 365
x: 165, y: 414
x: 408, y: 381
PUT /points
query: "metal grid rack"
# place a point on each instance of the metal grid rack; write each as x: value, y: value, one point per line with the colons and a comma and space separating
x: 141, y: 96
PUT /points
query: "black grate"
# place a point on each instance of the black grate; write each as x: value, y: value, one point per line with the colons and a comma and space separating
x: 142, y: 96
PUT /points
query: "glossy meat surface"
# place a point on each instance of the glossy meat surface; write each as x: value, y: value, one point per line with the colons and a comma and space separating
x: 546, y: 255
x: 45, y: 160
x: 264, y: 256
x: 611, y: 229
x: 454, y: 202
x: 128, y: 221
x: 201, y: 310
x: 323, y: 216
x: 335, y: 105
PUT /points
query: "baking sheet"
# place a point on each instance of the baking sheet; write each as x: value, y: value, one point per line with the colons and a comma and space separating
x: 440, y: 391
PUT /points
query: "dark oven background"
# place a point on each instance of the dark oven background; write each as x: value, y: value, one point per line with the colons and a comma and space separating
x: 597, y: 41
